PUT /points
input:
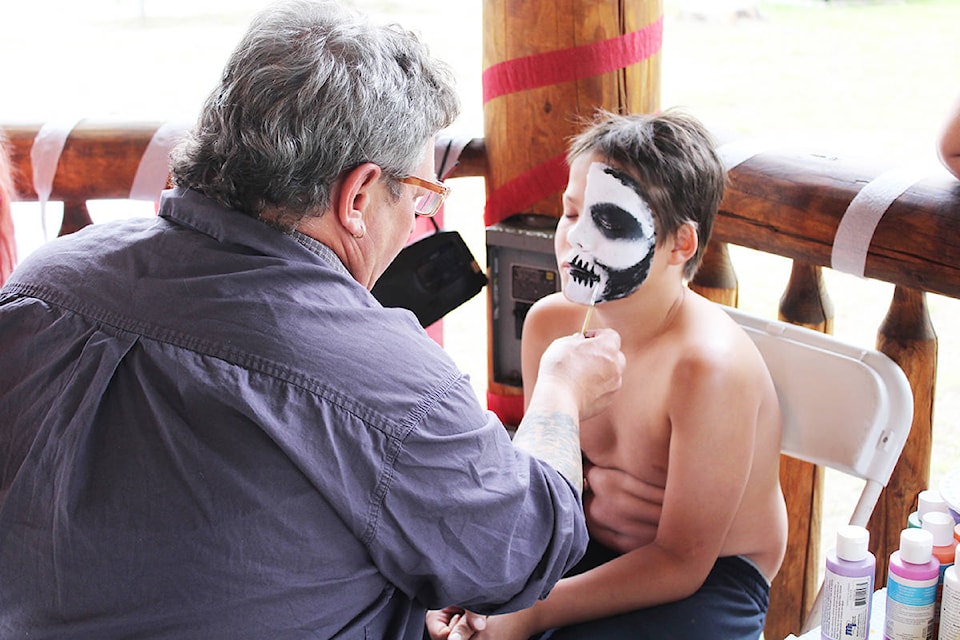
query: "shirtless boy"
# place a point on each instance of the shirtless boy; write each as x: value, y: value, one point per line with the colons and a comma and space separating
x: 681, y: 491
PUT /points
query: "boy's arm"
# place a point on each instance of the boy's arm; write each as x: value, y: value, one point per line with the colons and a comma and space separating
x: 949, y: 147
x: 713, y: 413
x: 545, y: 321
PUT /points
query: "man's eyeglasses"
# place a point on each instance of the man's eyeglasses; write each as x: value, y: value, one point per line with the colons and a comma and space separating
x: 429, y: 203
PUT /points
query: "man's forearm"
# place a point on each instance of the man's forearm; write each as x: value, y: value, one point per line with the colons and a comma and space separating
x: 554, y: 437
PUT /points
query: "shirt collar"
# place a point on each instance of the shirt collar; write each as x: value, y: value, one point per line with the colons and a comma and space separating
x: 192, y: 209
x: 321, y: 250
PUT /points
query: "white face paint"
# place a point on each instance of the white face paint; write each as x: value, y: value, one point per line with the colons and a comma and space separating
x: 612, y: 241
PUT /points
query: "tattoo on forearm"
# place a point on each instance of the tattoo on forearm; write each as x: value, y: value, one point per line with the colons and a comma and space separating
x: 554, y: 437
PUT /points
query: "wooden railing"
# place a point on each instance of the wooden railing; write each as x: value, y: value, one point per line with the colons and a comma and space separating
x: 791, y: 203
x: 786, y: 202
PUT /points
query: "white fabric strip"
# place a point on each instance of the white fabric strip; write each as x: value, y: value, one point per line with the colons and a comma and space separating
x: 859, y: 222
x: 44, y: 158
x: 154, y: 168
x: 742, y: 149
x: 446, y: 152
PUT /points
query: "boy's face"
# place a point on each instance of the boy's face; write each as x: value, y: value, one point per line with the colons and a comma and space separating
x: 606, y: 239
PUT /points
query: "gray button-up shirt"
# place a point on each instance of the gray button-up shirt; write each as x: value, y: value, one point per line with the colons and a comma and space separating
x: 209, y: 430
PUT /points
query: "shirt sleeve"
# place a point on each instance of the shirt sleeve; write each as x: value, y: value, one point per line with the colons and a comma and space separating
x: 468, y: 519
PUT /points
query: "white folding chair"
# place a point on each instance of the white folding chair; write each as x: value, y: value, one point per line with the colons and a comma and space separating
x: 844, y: 407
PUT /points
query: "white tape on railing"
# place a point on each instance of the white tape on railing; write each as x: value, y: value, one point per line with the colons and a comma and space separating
x: 446, y: 152
x: 740, y: 150
x: 154, y: 168
x: 44, y: 158
x: 851, y: 243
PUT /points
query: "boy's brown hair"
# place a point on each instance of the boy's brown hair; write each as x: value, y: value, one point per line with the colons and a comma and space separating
x: 672, y: 157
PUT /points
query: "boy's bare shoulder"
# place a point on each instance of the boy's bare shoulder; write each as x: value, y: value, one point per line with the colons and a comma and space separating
x: 713, y: 344
x: 554, y: 314
x: 555, y: 302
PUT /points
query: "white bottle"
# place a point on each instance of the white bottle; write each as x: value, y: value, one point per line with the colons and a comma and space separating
x: 950, y: 607
x: 940, y: 525
x: 928, y: 500
x: 848, y: 586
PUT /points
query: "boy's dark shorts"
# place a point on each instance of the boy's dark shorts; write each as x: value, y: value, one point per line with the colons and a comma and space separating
x: 731, y: 604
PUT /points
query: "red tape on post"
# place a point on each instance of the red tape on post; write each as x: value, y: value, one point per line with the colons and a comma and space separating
x: 508, y: 408
x: 529, y: 187
x: 574, y: 63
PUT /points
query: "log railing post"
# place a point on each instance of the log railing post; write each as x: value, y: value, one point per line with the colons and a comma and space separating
x: 907, y: 336
x: 75, y: 216
x: 547, y: 66
x: 716, y: 279
x: 805, y: 301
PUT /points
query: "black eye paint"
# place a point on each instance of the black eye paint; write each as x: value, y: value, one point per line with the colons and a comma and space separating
x: 615, y: 223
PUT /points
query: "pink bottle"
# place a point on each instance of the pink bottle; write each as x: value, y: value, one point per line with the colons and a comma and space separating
x: 912, y: 578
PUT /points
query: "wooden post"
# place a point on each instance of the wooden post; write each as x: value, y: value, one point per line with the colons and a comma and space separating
x: 716, y: 279
x: 907, y: 336
x: 547, y: 66
x: 804, y: 302
x: 75, y: 217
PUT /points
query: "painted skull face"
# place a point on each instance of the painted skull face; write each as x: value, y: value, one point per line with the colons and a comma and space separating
x: 613, y: 240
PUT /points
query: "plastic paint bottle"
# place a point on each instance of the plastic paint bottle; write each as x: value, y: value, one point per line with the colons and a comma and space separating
x: 950, y: 609
x: 848, y: 586
x: 912, y: 578
x: 940, y: 526
x: 927, y: 500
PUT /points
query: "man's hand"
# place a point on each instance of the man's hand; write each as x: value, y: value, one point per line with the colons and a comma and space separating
x: 578, y: 378
x: 454, y: 623
x: 590, y: 368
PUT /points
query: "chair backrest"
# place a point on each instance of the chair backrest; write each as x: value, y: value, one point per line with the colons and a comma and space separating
x: 844, y: 407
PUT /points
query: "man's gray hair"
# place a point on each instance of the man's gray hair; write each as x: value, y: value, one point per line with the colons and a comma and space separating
x: 312, y: 90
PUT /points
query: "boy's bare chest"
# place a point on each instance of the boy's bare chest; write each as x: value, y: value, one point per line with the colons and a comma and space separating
x: 634, y: 433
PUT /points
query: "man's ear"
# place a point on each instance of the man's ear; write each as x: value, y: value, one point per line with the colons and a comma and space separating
x: 685, y: 243
x: 355, y: 196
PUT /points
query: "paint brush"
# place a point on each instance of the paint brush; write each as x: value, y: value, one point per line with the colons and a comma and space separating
x: 593, y: 303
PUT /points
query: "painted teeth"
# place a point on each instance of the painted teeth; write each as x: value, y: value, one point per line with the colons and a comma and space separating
x: 582, y: 273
